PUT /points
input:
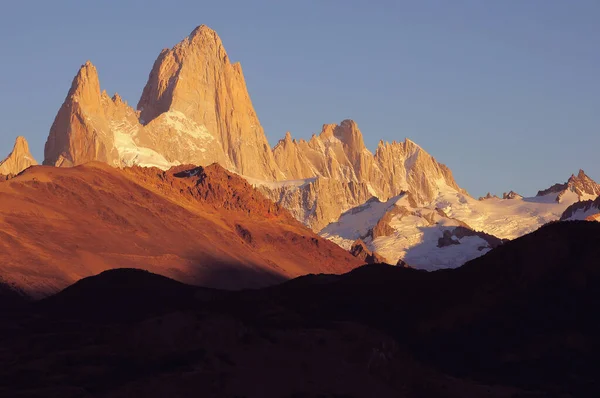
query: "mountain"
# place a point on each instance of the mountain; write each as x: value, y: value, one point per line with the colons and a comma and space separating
x: 398, y: 230
x: 195, y: 109
x: 452, y: 228
x: 580, y: 185
x: 334, y: 172
x: 19, y: 158
x: 520, y: 315
x: 516, y: 322
x: 197, y: 225
x: 583, y: 210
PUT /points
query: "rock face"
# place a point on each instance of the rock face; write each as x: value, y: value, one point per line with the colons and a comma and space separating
x: 339, y: 152
x: 19, y: 159
x: 581, y: 185
x: 318, y: 201
x: 340, y: 173
x: 197, y: 79
x: 511, y: 195
x: 359, y: 249
x: 81, y: 131
x: 195, y: 109
x: 584, y: 210
x: 488, y: 196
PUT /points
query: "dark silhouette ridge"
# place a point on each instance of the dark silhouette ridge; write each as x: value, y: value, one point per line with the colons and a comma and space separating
x: 520, y: 321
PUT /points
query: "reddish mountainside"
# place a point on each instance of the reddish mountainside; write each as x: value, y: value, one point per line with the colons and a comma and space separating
x: 202, y: 226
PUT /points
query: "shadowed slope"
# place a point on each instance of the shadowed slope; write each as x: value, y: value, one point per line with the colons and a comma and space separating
x: 128, y: 332
x: 523, y: 314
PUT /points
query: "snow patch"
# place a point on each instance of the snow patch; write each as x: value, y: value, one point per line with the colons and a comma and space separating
x: 131, y: 154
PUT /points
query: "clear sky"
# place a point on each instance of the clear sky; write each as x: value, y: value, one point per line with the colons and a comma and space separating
x: 505, y: 92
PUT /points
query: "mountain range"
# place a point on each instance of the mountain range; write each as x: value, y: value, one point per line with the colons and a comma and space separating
x: 169, y: 250
x: 195, y: 109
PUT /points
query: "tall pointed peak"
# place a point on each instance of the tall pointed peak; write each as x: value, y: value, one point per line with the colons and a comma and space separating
x: 21, y: 144
x: 196, y: 79
x: 19, y: 159
x: 87, y: 73
x: 86, y: 85
x: 349, y: 134
x: 580, y: 176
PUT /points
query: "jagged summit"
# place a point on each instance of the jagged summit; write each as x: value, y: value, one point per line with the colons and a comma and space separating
x: 195, y: 108
x: 19, y: 158
x: 581, y: 185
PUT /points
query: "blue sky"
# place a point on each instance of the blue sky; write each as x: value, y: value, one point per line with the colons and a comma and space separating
x: 506, y: 93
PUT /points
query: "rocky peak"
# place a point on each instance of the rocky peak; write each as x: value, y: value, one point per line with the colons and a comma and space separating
x: 350, y: 135
x: 85, y: 87
x: 580, y: 184
x: 511, y: 195
x: 487, y: 196
x: 19, y: 158
x: 583, y: 185
x: 81, y: 132
x: 196, y: 79
x: 327, y: 131
x: 359, y: 249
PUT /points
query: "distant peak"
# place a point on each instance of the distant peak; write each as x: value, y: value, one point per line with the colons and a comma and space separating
x: 19, y: 159
x: 511, y: 195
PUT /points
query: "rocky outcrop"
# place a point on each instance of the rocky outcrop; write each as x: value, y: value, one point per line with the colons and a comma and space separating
x: 584, y: 210
x: 318, y: 201
x: 583, y: 186
x: 556, y: 188
x: 19, y: 158
x: 359, y: 249
x: 383, y: 228
x: 488, y: 196
x: 511, y: 195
